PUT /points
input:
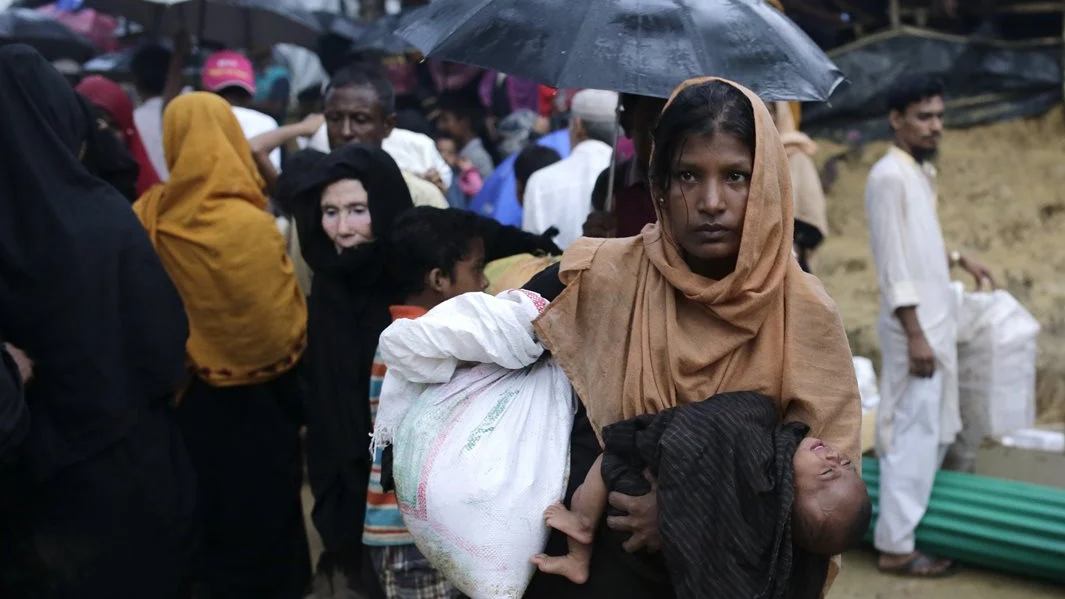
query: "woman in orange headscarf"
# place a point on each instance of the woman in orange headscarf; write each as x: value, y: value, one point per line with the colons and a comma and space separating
x: 707, y: 300
x: 247, y: 329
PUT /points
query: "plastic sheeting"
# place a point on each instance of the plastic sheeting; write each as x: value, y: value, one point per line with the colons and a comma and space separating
x: 986, y: 81
x: 997, y: 524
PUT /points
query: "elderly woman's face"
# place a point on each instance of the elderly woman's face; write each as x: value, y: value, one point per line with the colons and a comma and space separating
x: 346, y: 214
x: 707, y: 201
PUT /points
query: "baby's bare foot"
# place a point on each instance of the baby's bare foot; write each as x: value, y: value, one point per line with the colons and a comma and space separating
x: 570, y: 566
x: 565, y: 521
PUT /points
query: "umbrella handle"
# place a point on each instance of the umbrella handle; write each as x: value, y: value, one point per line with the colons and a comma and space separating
x: 609, y: 204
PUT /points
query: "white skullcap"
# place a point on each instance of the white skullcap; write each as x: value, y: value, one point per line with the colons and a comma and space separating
x: 595, y: 105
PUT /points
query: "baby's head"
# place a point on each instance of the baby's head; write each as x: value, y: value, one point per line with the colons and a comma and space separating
x: 831, y: 512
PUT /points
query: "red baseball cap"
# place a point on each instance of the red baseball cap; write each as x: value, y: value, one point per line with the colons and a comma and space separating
x: 228, y: 69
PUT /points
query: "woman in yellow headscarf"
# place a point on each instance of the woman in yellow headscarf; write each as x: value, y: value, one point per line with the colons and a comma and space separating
x: 708, y: 300
x: 247, y: 322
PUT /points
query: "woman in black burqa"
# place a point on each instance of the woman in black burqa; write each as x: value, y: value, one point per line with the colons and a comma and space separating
x: 106, y: 492
x: 348, y: 310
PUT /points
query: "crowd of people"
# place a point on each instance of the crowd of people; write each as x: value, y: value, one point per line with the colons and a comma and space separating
x: 174, y: 371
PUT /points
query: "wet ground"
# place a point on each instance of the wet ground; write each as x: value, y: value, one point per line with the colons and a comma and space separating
x: 861, y: 580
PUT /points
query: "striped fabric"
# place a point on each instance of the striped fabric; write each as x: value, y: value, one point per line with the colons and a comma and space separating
x: 384, y: 523
x: 725, y: 488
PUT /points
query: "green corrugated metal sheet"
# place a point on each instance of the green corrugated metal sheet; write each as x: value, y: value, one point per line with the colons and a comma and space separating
x: 998, y: 524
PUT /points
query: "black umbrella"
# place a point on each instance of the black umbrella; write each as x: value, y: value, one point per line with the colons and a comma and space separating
x: 50, y: 37
x: 248, y: 24
x: 374, y: 36
x: 644, y: 47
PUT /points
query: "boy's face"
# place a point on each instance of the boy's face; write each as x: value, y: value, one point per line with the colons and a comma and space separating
x: 469, y: 273
x: 446, y: 147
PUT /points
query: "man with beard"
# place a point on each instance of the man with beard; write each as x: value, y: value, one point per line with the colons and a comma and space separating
x: 919, y: 415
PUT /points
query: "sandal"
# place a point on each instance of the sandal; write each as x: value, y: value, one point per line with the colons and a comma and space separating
x: 921, y: 566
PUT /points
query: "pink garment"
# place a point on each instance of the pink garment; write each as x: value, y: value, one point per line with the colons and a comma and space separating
x: 98, y: 27
x: 523, y: 93
x: 450, y: 76
x: 470, y: 182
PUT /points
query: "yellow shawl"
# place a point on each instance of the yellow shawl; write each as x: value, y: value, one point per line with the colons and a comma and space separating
x: 638, y: 332
x: 223, y: 250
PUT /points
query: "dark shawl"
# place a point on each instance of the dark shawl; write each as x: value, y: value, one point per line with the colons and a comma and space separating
x: 725, y: 491
x: 82, y: 291
x: 349, y: 305
x: 111, y: 161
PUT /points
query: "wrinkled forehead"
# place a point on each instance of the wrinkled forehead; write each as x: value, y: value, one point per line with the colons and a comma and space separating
x: 344, y: 192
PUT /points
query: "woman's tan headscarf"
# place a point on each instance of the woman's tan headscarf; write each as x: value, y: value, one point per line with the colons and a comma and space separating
x: 223, y: 250
x: 638, y: 332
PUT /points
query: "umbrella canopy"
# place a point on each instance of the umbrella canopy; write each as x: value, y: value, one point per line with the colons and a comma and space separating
x: 644, y: 47
x: 51, y: 38
x: 375, y: 36
x: 98, y: 27
x: 249, y: 24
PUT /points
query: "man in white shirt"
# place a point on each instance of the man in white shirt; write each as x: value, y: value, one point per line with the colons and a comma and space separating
x: 560, y: 195
x: 360, y: 107
x: 232, y: 76
x: 150, y: 66
x: 918, y: 416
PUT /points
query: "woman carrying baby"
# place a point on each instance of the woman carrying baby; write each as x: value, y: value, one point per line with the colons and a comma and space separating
x: 708, y: 300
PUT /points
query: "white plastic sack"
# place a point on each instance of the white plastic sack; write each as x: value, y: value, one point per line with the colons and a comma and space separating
x: 476, y: 462
x: 474, y: 327
x: 479, y: 451
x: 997, y: 345
x: 867, y: 385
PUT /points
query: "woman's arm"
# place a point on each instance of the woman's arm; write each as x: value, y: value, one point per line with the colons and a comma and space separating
x: 502, y: 241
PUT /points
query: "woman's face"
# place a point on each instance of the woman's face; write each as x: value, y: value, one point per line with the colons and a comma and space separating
x: 707, y: 201
x: 104, y: 123
x: 346, y: 213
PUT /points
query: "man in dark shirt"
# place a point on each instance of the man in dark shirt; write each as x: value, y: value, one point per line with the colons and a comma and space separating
x: 632, y: 207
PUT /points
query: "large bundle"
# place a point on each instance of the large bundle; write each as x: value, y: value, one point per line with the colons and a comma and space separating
x: 479, y: 451
x: 997, y: 344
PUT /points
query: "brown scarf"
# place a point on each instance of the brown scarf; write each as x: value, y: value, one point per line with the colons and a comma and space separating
x: 638, y: 332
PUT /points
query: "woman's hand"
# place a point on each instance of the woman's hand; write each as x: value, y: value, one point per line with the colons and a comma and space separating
x: 641, y: 519
x: 25, y: 365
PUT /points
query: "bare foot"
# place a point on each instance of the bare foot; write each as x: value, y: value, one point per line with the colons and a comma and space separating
x: 570, y: 566
x: 567, y: 522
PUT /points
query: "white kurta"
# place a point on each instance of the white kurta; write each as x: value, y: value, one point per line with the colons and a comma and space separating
x: 413, y: 152
x: 917, y: 417
x: 561, y: 194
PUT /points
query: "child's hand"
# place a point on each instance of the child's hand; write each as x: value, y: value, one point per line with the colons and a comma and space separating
x: 641, y: 521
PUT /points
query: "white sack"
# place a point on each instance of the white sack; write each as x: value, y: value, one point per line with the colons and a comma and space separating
x: 997, y: 345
